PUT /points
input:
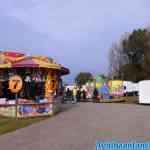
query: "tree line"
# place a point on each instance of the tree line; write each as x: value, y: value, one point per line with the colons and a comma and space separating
x: 129, y: 59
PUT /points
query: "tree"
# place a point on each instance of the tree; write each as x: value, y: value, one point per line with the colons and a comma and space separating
x: 130, y: 60
x: 116, y: 60
x: 146, y: 64
x: 103, y: 76
x: 135, y: 46
x: 83, y: 77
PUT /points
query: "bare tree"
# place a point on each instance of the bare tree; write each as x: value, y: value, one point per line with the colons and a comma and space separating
x: 116, y: 60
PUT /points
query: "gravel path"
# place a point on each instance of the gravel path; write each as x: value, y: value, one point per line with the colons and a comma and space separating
x: 78, y: 128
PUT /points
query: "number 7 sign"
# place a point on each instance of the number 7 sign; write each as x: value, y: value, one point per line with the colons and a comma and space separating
x: 15, y: 84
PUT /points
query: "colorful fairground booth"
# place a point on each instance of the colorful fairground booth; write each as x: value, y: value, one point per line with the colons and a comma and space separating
x: 28, y: 85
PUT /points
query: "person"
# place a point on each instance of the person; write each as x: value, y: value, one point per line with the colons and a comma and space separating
x: 69, y: 94
x: 78, y: 96
x: 65, y: 94
x: 74, y: 95
x: 95, y: 94
x: 83, y: 93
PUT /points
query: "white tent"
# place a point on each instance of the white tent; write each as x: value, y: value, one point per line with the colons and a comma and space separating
x: 135, y: 87
x: 130, y: 86
x: 144, y: 92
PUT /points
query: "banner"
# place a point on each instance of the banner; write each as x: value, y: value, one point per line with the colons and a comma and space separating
x: 116, y: 88
x: 26, y: 110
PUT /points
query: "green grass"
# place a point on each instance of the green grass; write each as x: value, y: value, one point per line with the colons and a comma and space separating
x: 12, y: 124
x: 124, y: 100
x: 118, y: 100
x: 131, y: 99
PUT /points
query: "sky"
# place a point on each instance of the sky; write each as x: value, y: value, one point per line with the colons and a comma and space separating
x: 76, y: 33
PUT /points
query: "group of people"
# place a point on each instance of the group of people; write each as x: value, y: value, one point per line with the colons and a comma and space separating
x: 78, y: 94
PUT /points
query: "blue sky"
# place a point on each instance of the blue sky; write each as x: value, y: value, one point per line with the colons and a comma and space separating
x: 77, y: 33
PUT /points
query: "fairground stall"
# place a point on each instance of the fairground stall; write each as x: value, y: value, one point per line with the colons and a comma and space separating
x: 28, y: 85
x: 110, y: 90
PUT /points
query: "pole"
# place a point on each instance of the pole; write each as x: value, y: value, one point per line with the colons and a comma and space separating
x: 16, y: 99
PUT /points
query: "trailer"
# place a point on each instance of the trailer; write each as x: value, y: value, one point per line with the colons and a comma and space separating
x: 144, y: 92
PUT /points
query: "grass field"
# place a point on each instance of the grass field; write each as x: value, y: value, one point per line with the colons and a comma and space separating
x: 11, y: 124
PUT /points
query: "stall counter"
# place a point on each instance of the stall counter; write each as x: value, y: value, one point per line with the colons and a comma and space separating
x: 30, y: 109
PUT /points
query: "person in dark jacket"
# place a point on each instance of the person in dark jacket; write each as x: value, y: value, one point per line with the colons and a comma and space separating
x: 95, y: 95
x: 78, y: 96
x: 84, y: 95
x: 69, y: 94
